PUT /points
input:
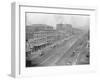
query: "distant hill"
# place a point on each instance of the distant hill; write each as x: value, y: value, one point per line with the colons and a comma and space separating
x: 38, y: 27
x: 77, y: 31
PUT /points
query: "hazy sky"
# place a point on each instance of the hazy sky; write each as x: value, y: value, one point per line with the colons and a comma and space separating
x: 77, y: 21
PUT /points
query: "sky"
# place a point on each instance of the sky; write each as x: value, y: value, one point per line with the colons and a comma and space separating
x: 77, y: 21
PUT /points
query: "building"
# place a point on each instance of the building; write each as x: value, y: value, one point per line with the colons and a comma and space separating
x: 66, y: 28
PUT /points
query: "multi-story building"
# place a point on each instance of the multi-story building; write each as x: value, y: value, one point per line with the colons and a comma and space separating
x: 47, y: 35
x: 66, y: 28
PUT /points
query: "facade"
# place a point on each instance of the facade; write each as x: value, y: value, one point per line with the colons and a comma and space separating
x: 66, y: 28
